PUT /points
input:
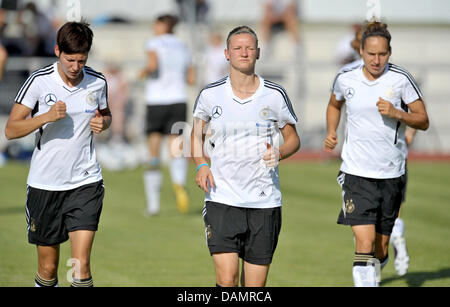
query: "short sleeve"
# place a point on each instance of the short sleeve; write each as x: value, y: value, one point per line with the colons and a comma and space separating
x: 287, y: 114
x: 337, y: 89
x: 29, y: 93
x: 201, y: 109
x: 410, y: 90
x: 103, y: 102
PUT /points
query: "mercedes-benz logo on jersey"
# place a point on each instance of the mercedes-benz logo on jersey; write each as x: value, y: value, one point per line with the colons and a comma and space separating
x: 216, y: 112
x: 349, y: 93
x: 50, y: 99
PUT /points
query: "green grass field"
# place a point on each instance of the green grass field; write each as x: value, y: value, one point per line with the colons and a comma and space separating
x: 170, y: 250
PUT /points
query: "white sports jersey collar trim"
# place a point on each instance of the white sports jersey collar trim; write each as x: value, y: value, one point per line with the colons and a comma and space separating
x: 367, y: 81
x: 249, y: 99
x: 61, y: 82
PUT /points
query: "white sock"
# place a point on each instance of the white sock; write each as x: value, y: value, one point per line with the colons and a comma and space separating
x: 152, y: 182
x: 399, y: 228
x: 364, y: 276
x: 178, y: 170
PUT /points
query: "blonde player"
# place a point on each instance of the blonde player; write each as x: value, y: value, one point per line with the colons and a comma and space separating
x: 242, y: 212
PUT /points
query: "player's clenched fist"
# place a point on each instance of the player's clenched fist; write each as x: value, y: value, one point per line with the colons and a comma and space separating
x: 330, y: 141
x: 97, y: 123
x: 386, y: 108
x: 57, y: 111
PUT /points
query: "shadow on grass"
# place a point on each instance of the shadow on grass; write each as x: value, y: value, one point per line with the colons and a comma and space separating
x: 417, y: 279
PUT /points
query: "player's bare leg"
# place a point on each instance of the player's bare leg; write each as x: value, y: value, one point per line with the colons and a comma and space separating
x: 227, y: 269
x: 153, y: 176
x: 48, y: 259
x: 254, y: 275
x: 81, y: 243
x: 178, y: 171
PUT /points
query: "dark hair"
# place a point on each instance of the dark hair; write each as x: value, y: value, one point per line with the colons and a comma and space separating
x: 241, y: 30
x: 74, y: 37
x: 170, y: 20
x: 376, y: 28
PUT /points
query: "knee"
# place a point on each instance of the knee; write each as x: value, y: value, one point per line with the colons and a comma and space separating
x: 48, y: 269
x: 228, y: 281
x: 81, y: 267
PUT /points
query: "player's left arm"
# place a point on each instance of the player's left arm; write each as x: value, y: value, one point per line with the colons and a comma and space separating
x: 101, y: 121
x: 417, y: 118
x: 291, y: 141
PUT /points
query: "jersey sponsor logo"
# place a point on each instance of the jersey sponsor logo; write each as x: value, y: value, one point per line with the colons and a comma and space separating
x: 216, y: 112
x: 50, y: 99
x: 349, y: 93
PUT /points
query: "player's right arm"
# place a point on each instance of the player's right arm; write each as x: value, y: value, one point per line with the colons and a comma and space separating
x: 204, y: 177
x: 333, y: 118
x: 20, y: 124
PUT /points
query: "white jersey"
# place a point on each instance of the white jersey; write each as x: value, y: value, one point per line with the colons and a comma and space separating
x: 64, y: 157
x: 374, y: 145
x: 240, y: 130
x: 168, y: 85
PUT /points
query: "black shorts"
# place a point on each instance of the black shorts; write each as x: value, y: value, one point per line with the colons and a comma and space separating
x: 51, y: 215
x: 161, y: 118
x: 252, y: 233
x: 370, y: 201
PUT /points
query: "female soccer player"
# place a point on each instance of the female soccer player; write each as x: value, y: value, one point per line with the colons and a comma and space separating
x: 242, y: 212
x: 67, y: 102
x: 168, y: 71
x: 378, y: 96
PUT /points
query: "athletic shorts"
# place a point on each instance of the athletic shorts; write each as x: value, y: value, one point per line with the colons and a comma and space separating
x: 252, y: 233
x: 51, y: 215
x: 370, y: 201
x: 161, y: 118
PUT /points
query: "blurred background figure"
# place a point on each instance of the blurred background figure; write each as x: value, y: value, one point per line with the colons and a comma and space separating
x: 215, y: 65
x: 114, y: 151
x: 280, y: 15
x: 3, y: 117
x: 118, y: 98
x: 347, y: 49
x: 185, y: 9
x: 168, y: 71
x: 353, y: 58
x: 3, y: 58
x: 38, y: 30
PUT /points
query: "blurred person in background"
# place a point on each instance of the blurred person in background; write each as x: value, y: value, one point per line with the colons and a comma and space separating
x: 168, y: 71
x: 398, y: 240
x: 347, y: 50
x: 3, y: 118
x: 381, y: 100
x: 280, y: 13
x: 119, y: 97
x: 200, y: 8
x: 3, y: 59
x: 216, y: 66
x: 38, y: 29
x: 242, y: 212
